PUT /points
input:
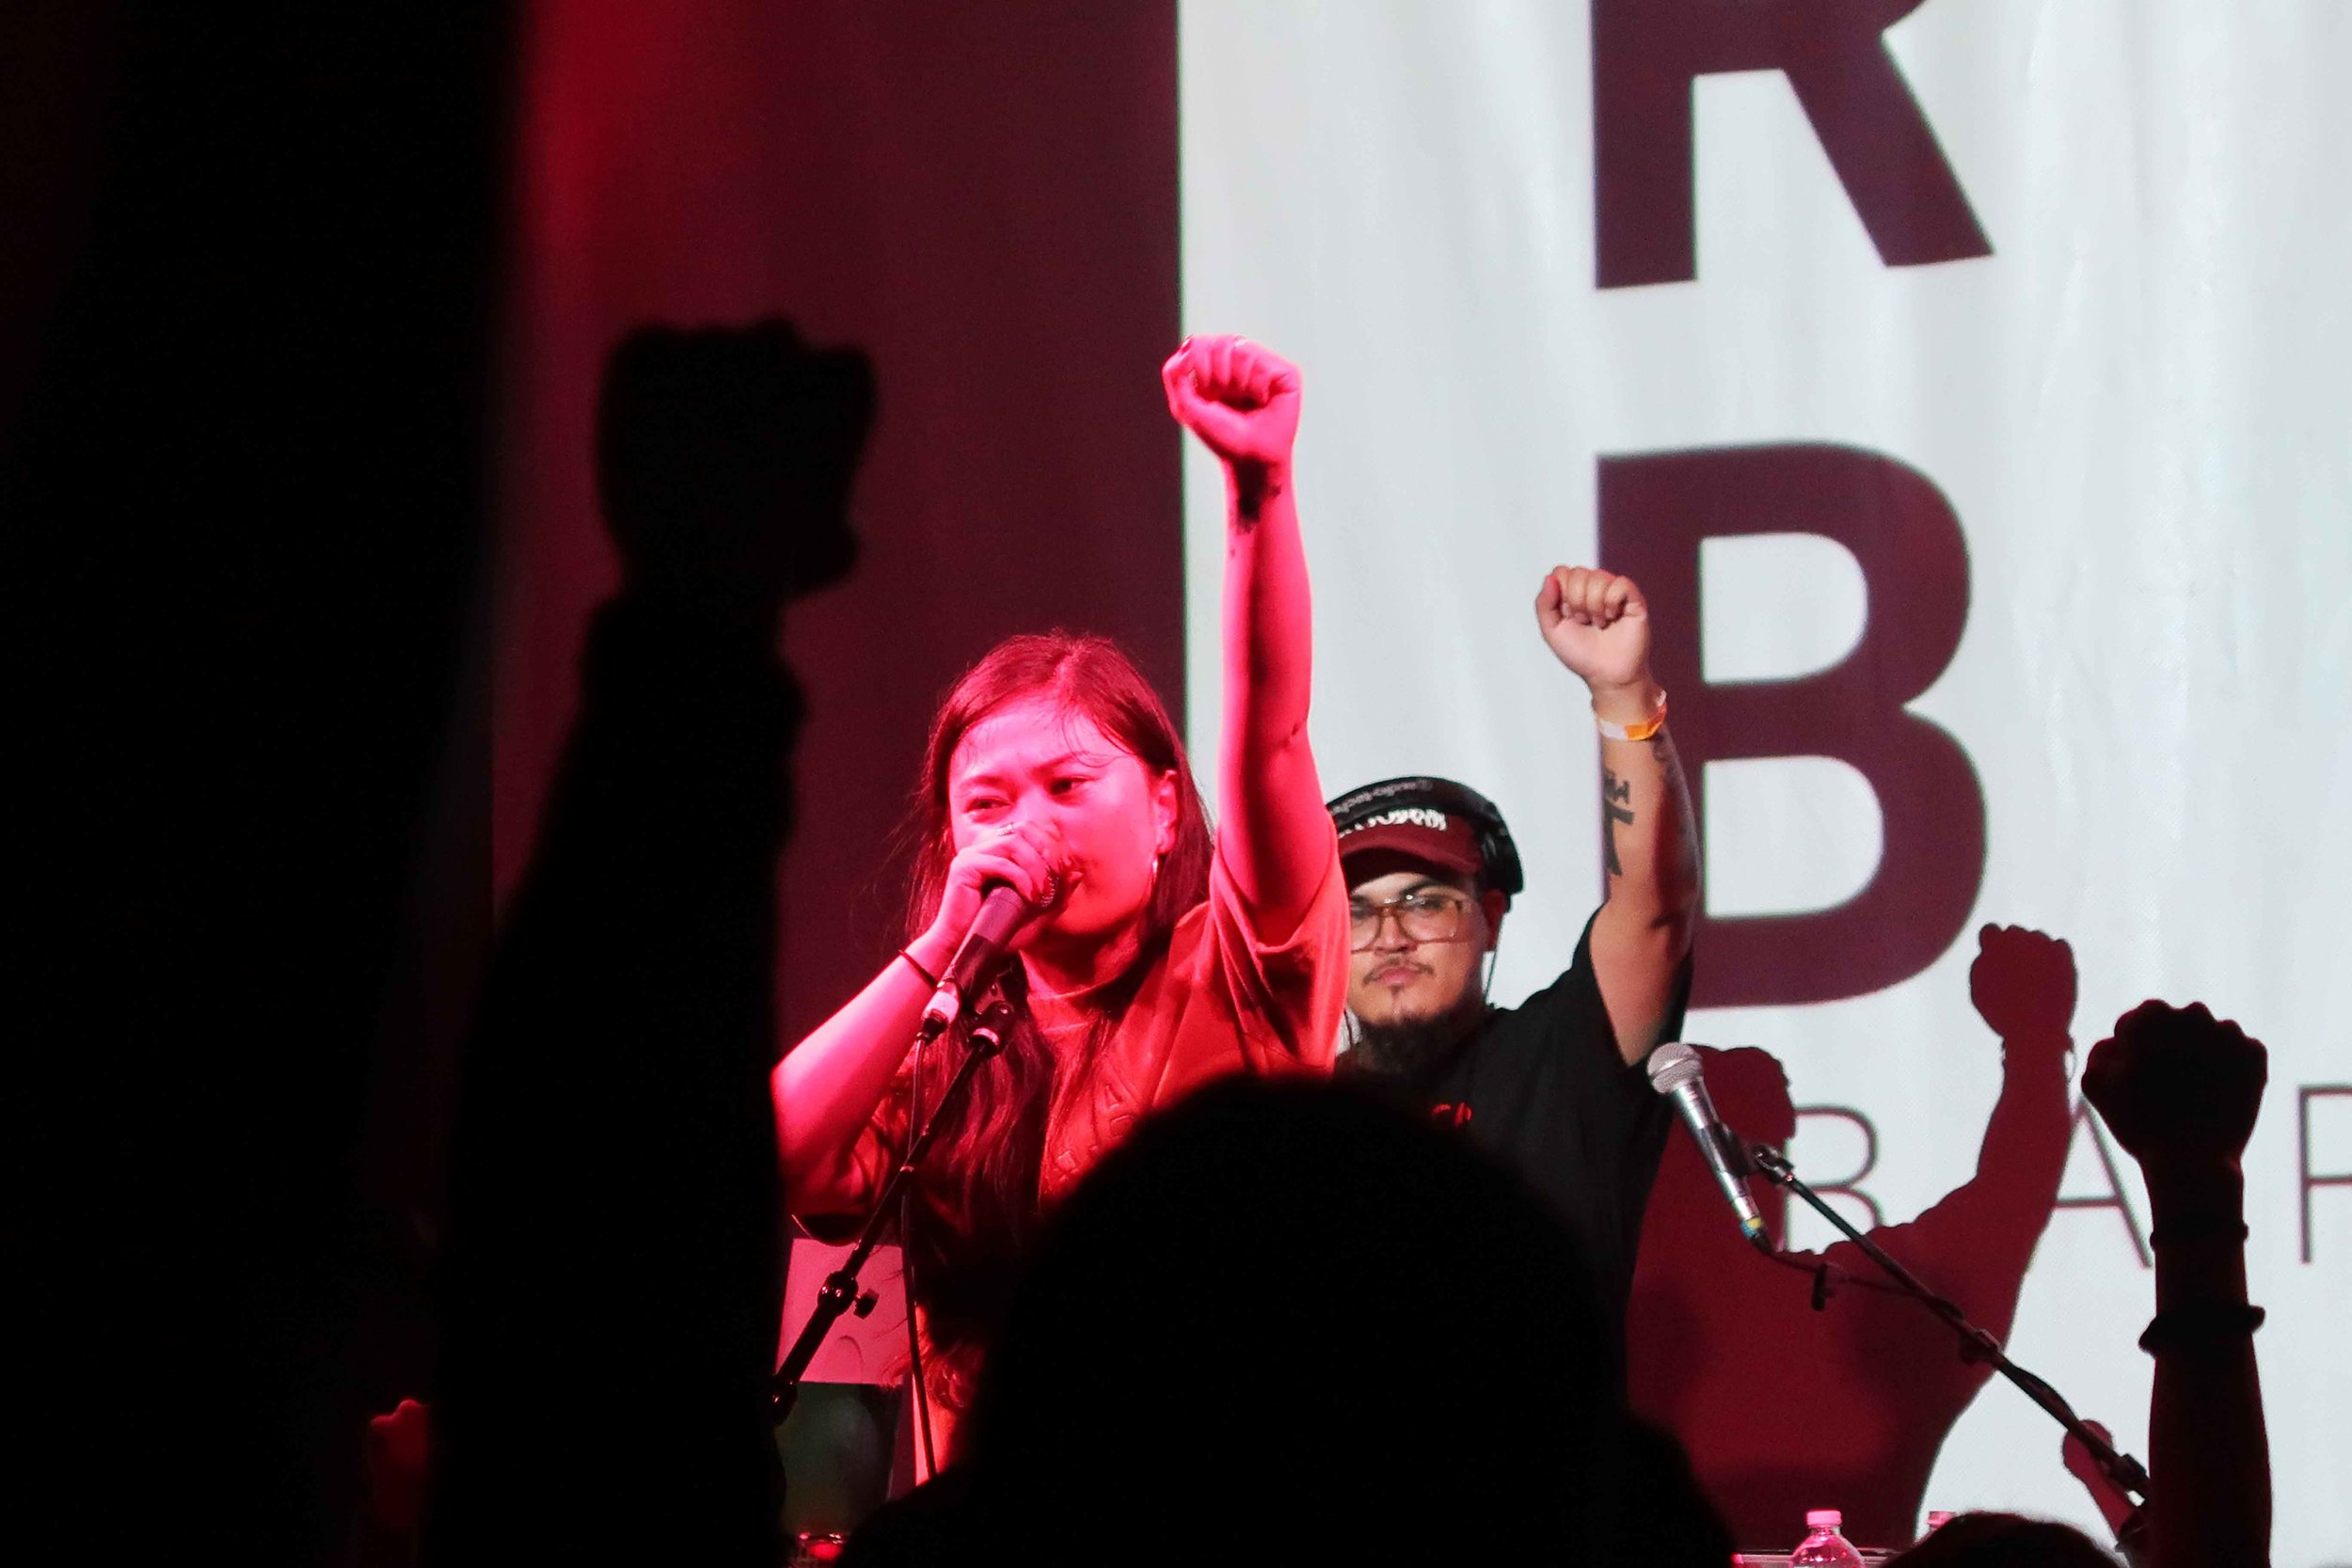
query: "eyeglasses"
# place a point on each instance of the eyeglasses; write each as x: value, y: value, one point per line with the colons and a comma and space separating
x: 1423, y: 914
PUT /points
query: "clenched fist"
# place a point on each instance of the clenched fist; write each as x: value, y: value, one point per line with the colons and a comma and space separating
x: 725, y: 459
x: 2179, y: 1088
x: 1240, y: 399
x: 2022, y: 984
x: 1599, y: 625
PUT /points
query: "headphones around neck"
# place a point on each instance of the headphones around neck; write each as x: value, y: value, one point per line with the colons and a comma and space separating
x: 1496, y: 851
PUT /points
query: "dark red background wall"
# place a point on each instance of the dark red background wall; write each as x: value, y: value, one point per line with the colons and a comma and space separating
x: 983, y: 197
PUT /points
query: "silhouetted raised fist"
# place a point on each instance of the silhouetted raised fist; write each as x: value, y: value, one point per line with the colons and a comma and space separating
x: 2023, y: 983
x: 2179, y: 1088
x: 724, y: 457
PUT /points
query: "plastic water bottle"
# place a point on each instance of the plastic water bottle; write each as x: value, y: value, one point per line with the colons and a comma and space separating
x: 1824, y: 1547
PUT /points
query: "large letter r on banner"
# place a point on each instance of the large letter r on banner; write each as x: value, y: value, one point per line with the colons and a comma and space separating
x: 1647, y: 53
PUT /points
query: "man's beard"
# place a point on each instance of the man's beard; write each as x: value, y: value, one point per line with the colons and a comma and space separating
x: 1412, y: 1048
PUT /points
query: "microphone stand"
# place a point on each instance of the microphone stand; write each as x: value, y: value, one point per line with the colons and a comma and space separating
x: 841, y: 1293
x: 1976, y: 1345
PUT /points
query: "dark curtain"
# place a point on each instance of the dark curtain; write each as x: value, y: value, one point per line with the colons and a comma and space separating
x: 301, y: 314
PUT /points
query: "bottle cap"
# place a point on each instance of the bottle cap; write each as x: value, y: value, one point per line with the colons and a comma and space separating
x: 1823, y: 1518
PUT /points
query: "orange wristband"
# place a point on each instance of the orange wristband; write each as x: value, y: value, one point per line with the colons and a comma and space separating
x: 1643, y: 731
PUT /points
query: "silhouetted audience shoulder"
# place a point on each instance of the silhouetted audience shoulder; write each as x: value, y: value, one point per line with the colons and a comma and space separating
x: 1371, y: 1344
x: 2180, y: 1090
x: 612, y: 1274
x: 2005, y: 1540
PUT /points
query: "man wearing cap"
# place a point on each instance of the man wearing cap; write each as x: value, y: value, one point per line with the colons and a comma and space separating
x: 1554, y: 1085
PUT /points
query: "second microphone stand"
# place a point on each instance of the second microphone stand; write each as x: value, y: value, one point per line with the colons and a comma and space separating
x: 841, y: 1293
x: 1976, y: 1345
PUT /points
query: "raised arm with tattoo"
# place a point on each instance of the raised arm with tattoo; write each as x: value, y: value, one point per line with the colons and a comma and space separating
x: 1597, y: 624
x: 1242, y: 401
x: 1053, y: 769
x: 1551, y: 1086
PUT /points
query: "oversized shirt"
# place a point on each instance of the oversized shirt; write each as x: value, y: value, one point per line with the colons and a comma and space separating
x: 1227, y: 995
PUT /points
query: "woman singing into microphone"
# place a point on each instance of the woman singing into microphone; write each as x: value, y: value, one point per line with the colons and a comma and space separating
x: 1163, y: 956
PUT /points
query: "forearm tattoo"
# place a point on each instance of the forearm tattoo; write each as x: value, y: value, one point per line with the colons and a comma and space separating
x: 1616, y: 805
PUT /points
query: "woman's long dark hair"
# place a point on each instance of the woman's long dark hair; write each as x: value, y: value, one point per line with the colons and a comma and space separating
x: 979, y: 1183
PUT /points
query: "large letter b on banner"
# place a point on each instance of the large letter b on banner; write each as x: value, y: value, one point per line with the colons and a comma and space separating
x: 1654, y: 511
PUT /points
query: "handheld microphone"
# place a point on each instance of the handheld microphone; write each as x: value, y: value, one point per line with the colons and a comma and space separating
x: 1002, y: 914
x: 1674, y: 1071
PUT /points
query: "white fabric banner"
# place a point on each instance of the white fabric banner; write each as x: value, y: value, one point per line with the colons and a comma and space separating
x: 1997, y: 374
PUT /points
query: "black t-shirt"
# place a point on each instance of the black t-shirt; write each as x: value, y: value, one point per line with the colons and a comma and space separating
x: 1543, y: 1087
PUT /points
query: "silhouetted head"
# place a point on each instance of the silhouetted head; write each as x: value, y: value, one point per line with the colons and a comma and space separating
x: 1293, y: 1310
x: 1750, y: 1089
x: 2005, y: 1540
x: 1687, y: 1237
